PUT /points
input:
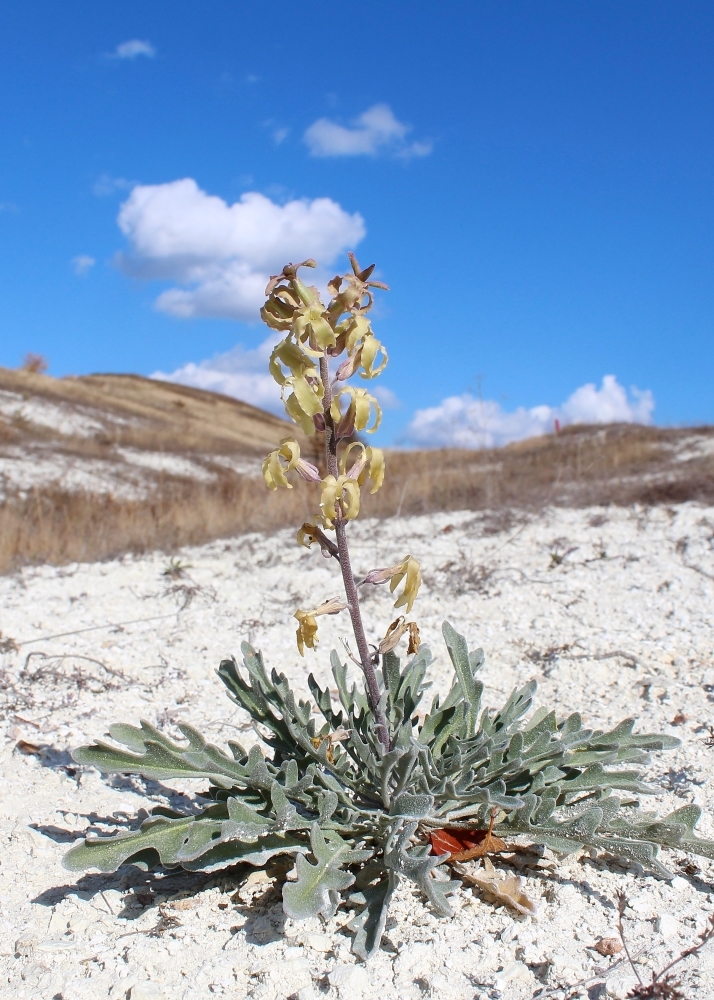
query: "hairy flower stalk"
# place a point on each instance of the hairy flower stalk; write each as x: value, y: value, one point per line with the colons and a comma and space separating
x: 353, y: 606
x: 316, y: 401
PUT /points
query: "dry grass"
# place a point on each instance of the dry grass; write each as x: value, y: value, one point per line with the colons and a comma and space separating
x: 57, y: 526
x: 618, y: 464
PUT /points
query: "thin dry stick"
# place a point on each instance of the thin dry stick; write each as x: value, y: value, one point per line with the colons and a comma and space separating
x: 95, y: 628
x: 346, y: 567
x: 662, y: 984
x: 621, y: 904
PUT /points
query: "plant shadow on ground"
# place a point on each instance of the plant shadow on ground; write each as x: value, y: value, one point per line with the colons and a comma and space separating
x: 61, y: 760
x: 143, y: 890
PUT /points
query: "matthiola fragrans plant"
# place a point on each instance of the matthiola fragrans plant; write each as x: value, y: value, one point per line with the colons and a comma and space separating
x: 353, y: 790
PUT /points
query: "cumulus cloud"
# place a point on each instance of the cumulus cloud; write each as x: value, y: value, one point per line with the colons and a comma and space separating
x: 241, y: 372
x: 82, y: 264
x: 133, y: 48
x: 465, y: 422
x: 374, y: 131
x: 221, y: 255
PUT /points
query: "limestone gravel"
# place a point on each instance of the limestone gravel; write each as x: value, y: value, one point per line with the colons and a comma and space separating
x: 609, y: 609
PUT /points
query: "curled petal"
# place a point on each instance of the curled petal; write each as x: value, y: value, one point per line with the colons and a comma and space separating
x: 357, y: 329
x: 394, y: 633
x: 280, y: 461
x: 363, y: 349
x: 410, y: 572
x: 310, y: 533
x: 375, y: 458
x: 308, y: 393
x: 288, y: 273
x: 306, y: 633
x: 291, y: 356
x: 298, y: 416
x: 358, y: 413
x: 341, y: 494
x: 350, y: 499
x: 368, y: 465
x: 328, y: 500
x: 307, y: 626
x: 368, y: 353
x: 273, y: 317
x: 359, y: 464
x: 310, y: 324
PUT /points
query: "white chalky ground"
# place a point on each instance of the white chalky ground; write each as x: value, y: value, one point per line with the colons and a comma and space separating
x: 610, y: 610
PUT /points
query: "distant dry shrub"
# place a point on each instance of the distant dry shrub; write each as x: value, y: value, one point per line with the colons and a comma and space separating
x: 36, y: 363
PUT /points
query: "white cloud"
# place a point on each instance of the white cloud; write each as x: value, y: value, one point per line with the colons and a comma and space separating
x: 82, y: 264
x: 105, y: 185
x: 374, y: 131
x: 240, y: 373
x: 134, y: 48
x: 243, y: 373
x: 221, y: 255
x: 386, y: 398
x: 465, y: 422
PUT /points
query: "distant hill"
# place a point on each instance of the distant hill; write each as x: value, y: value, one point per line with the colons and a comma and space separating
x: 123, y: 434
x: 583, y: 465
x: 99, y: 465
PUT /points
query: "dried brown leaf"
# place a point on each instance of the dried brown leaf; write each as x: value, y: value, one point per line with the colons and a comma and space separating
x: 506, y: 889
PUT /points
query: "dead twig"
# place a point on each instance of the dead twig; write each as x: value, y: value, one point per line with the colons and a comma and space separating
x: 663, y: 985
x: 94, y: 628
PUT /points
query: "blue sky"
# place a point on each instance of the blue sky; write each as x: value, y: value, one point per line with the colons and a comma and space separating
x: 544, y: 221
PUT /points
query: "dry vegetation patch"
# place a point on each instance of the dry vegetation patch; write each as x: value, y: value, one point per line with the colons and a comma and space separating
x: 96, y: 466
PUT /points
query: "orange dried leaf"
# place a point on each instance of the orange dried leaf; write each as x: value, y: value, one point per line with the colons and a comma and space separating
x: 464, y: 845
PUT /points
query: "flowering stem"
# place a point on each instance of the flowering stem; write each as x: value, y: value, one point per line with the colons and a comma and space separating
x: 370, y: 674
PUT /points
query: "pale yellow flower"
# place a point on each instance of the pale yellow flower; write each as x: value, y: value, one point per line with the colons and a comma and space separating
x: 291, y: 356
x: 310, y: 323
x: 358, y: 413
x: 307, y: 626
x: 356, y: 337
x: 308, y: 392
x: 303, y: 385
x: 282, y: 460
x: 342, y: 492
x: 282, y: 299
x: 408, y: 570
x: 278, y: 311
x: 298, y: 415
x: 368, y: 465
